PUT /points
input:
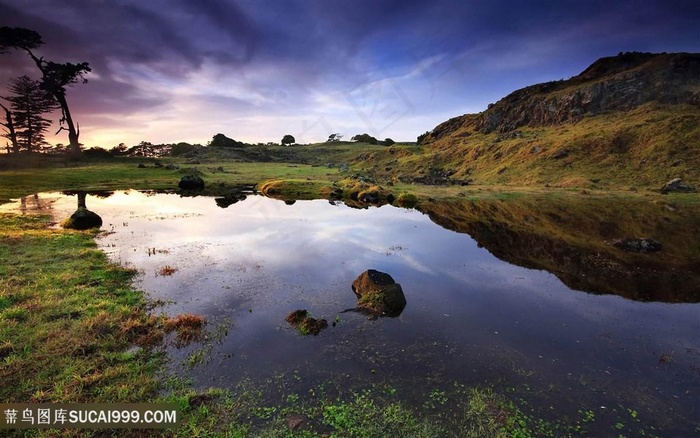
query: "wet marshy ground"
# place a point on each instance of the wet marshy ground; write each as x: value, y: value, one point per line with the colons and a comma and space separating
x: 521, y: 294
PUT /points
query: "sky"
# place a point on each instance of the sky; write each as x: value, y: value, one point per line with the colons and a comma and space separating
x: 167, y: 71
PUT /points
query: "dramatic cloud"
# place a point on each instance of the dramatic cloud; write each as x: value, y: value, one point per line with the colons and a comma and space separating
x: 184, y: 70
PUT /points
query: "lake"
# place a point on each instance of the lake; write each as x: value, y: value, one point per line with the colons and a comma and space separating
x: 528, y: 296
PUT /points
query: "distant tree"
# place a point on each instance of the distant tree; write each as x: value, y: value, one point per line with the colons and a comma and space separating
x: 55, y: 76
x: 220, y: 140
x: 181, y: 149
x: 28, y: 104
x: 97, y: 152
x: 335, y: 137
x: 120, y: 149
x: 288, y: 139
x: 365, y: 138
x: 388, y: 142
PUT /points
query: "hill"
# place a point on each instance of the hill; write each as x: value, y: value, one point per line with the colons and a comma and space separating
x: 627, y: 120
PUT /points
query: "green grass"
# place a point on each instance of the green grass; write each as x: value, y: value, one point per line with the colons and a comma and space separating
x: 64, y: 310
x: 121, y: 174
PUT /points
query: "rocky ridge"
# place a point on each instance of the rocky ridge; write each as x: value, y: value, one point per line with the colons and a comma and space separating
x: 621, y: 82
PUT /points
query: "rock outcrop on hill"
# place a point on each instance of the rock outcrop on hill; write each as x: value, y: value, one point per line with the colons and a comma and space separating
x: 610, y: 84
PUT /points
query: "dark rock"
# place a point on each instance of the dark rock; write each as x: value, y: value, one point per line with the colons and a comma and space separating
x: 141, y: 166
x: 172, y: 167
x: 83, y: 219
x: 640, y: 245
x: 379, y: 293
x: 435, y: 177
x: 677, y: 185
x: 369, y: 197
x: 336, y: 193
x: 560, y: 154
x: 191, y: 182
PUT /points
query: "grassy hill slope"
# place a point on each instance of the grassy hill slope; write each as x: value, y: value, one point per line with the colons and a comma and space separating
x: 626, y: 121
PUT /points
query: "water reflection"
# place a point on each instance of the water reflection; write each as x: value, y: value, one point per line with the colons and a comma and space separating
x: 574, y: 239
x: 472, y: 317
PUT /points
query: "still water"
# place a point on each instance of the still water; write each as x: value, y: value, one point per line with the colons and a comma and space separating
x: 470, y: 317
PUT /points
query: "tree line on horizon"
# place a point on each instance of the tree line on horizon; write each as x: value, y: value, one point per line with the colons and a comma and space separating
x: 148, y: 149
x: 24, y: 113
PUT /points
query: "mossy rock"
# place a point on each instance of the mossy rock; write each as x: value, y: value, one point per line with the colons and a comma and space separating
x: 378, y: 293
x: 191, y: 182
x: 82, y: 219
x: 305, y: 324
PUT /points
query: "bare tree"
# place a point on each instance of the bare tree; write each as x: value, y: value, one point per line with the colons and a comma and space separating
x: 55, y: 77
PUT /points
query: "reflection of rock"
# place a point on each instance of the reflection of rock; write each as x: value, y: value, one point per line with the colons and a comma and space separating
x: 379, y: 293
x: 229, y: 199
x: 305, y: 324
x: 631, y: 244
x: 191, y: 182
x: 677, y: 185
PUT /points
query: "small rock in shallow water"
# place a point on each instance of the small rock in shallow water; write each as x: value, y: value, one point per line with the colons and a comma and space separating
x: 305, y: 324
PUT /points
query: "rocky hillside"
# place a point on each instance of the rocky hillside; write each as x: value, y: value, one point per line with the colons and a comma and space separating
x: 617, y: 83
x: 631, y: 120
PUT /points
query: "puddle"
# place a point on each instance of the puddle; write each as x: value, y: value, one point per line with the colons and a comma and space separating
x: 540, y: 320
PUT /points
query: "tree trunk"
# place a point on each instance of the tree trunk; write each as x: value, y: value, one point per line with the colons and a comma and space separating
x: 12, y: 135
x: 73, y: 133
x: 59, y: 95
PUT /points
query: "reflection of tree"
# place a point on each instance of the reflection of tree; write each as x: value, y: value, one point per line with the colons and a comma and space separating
x: 23, y: 203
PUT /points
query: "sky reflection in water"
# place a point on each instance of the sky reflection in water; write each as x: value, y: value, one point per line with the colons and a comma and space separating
x: 470, y: 317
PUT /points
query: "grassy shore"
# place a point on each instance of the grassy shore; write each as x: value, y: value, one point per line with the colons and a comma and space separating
x: 125, y: 173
